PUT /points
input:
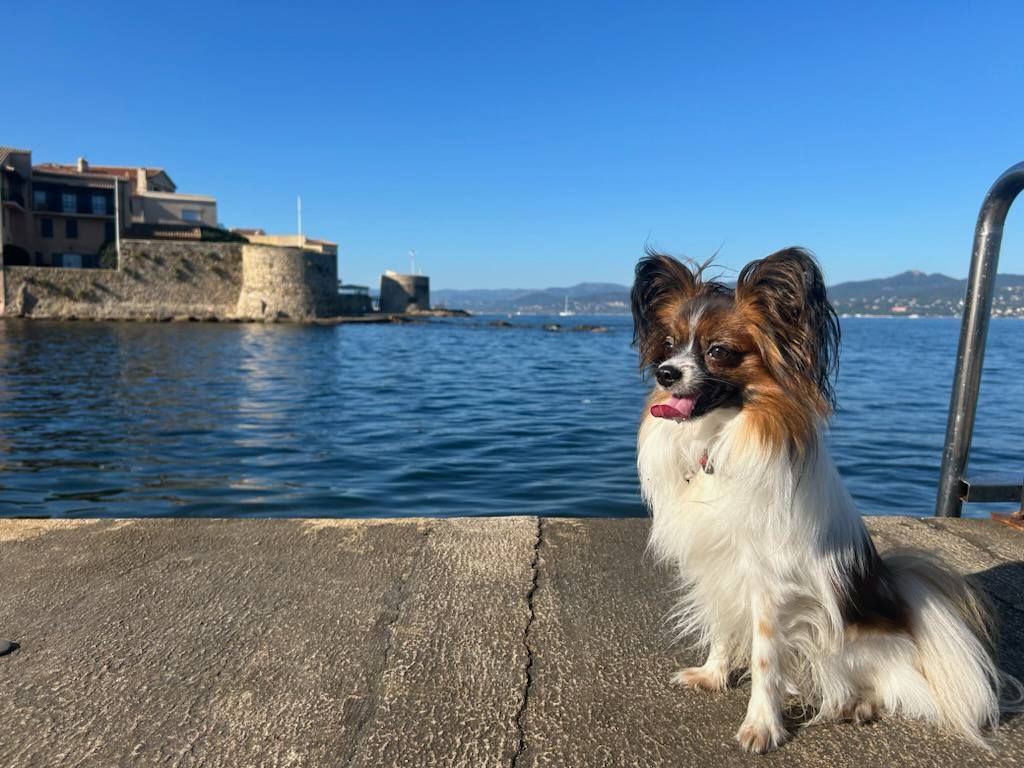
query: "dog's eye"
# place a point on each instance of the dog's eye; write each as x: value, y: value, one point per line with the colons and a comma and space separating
x: 670, y: 343
x: 718, y: 353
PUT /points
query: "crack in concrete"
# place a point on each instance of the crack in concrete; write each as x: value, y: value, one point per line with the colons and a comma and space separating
x: 387, y: 625
x: 528, y: 669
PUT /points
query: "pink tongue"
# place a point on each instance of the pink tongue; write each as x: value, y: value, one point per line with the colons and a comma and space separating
x: 675, y: 408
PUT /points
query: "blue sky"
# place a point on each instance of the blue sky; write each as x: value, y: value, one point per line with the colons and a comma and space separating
x: 535, y: 145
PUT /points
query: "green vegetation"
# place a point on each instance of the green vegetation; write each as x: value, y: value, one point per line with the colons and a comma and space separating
x: 107, y: 256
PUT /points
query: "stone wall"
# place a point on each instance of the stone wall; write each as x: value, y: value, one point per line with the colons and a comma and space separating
x: 156, y: 279
x: 287, y: 283
x: 164, y: 280
x: 404, y: 293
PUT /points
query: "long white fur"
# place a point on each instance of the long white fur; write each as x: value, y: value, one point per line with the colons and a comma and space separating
x: 762, y: 536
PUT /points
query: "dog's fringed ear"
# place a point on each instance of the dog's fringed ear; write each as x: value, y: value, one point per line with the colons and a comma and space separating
x: 787, y: 289
x: 661, y: 282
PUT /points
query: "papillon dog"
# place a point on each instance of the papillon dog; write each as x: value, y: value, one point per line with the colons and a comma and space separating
x: 778, y: 574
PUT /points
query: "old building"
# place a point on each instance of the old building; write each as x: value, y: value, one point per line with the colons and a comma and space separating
x: 62, y: 215
x: 152, y: 196
x: 16, y: 228
x: 52, y: 218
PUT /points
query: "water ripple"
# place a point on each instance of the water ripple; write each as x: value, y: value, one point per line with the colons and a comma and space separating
x: 444, y: 418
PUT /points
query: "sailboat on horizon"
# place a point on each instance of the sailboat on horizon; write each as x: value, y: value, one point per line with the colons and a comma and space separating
x: 566, y: 312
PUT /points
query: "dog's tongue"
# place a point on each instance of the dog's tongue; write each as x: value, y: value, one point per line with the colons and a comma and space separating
x: 675, y: 408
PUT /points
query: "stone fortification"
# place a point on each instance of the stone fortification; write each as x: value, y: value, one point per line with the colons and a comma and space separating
x: 160, y: 280
x: 287, y: 282
x: 404, y: 293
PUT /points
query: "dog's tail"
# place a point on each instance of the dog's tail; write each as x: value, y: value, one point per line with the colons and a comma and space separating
x: 953, y: 628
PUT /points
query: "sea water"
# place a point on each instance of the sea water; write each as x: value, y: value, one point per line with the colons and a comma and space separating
x: 446, y: 417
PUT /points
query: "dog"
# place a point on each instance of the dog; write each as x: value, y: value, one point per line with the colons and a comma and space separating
x: 778, y: 574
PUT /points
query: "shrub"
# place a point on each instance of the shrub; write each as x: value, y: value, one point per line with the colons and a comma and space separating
x: 107, y: 256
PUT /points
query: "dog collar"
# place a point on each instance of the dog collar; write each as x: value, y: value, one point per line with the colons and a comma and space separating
x: 705, y: 466
x: 705, y: 463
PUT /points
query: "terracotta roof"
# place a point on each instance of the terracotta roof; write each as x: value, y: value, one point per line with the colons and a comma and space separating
x: 121, y: 171
x: 90, y: 178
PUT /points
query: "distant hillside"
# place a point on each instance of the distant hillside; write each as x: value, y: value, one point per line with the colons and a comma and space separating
x: 918, y: 284
x: 584, y: 298
x: 919, y: 293
x: 909, y: 293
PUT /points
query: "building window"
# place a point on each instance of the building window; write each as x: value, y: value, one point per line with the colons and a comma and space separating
x: 99, y: 205
x: 39, y: 199
x: 108, y: 231
x: 46, y: 227
x: 195, y: 216
x: 69, y: 202
x: 71, y: 228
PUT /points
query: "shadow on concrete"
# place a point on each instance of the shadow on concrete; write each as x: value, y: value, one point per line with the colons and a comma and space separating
x: 1002, y: 584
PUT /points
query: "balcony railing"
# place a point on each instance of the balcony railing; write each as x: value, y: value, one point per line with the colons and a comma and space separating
x: 14, y: 197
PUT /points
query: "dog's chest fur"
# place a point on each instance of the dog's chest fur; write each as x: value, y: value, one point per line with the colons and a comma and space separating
x: 746, y: 531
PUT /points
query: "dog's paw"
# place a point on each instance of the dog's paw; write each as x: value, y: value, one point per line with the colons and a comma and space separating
x: 761, y: 737
x: 700, y: 678
x: 860, y: 712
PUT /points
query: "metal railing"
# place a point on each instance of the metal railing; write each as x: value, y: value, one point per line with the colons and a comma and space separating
x: 954, y: 487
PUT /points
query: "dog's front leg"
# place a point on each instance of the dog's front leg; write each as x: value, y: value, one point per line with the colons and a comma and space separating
x: 762, y: 729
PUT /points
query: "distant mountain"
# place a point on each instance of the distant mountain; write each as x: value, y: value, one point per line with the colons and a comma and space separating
x: 584, y: 298
x: 908, y: 293
x: 912, y: 283
x: 919, y: 293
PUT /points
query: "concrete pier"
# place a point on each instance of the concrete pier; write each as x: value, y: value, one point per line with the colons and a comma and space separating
x: 467, y: 642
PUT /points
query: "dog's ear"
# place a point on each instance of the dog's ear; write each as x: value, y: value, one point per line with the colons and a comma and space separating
x: 662, y: 284
x: 787, y: 291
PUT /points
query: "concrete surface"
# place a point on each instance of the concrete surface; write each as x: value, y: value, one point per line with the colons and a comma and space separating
x: 466, y: 642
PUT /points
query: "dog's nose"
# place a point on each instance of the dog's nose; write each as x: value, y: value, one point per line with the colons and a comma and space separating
x: 667, y: 375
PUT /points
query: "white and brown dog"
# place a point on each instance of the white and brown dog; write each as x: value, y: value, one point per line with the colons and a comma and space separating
x: 779, y: 574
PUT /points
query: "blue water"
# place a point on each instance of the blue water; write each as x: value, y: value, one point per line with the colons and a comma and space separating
x: 450, y: 417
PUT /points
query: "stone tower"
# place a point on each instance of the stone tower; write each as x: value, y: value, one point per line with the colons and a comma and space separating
x: 404, y: 293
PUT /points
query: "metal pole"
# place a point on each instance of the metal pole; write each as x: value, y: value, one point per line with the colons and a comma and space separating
x: 963, y: 401
x: 117, y: 222
x: 6, y: 646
